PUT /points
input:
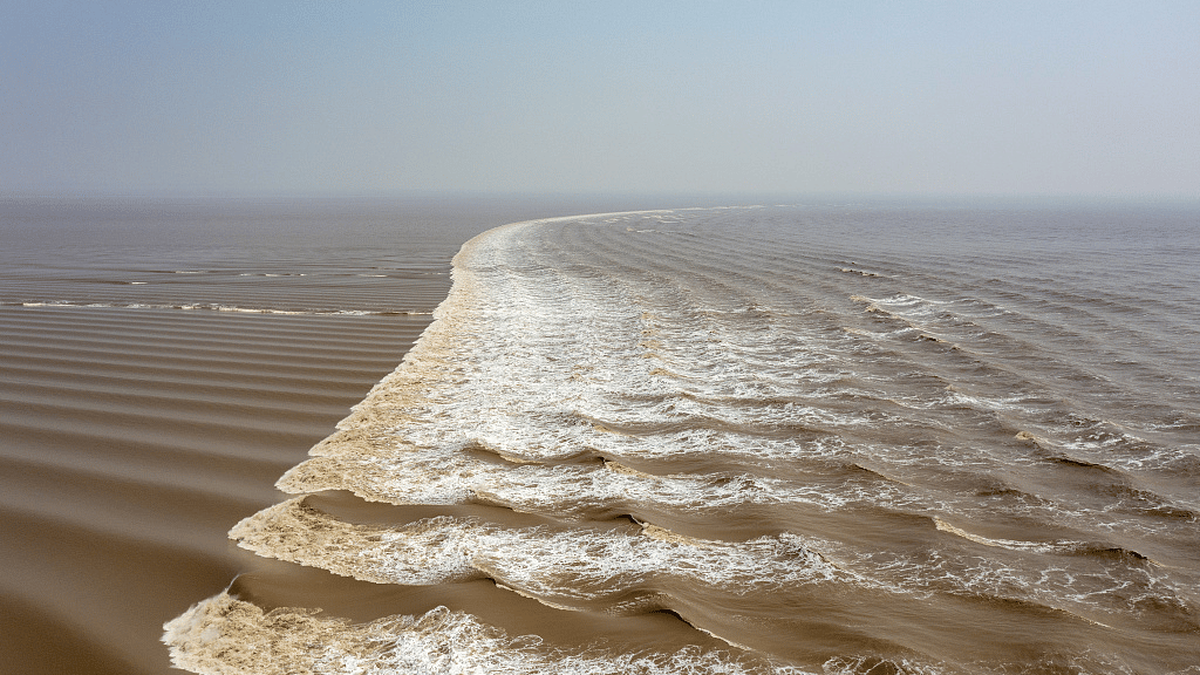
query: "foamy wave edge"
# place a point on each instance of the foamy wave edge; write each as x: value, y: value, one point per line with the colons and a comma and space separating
x: 226, y: 635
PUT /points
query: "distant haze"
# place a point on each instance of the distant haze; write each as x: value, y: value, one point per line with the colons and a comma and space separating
x: 1001, y: 98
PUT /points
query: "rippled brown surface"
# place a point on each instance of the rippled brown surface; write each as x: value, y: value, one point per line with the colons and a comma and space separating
x: 132, y: 438
x: 162, y: 362
x: 803, y: 439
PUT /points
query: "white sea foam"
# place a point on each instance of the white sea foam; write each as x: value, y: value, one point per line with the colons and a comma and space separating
x: 1096, y: 582
x: 556, y: 566
x: 226, y: 635
x: 451, y: 477
x: 589, y: 368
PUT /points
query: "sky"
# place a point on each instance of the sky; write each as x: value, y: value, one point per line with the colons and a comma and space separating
x: 1091, y: 98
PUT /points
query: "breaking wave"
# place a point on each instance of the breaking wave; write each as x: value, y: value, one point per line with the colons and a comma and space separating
x: 908, y: 462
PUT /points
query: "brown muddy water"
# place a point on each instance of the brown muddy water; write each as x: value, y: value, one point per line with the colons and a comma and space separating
x: 827, y: 437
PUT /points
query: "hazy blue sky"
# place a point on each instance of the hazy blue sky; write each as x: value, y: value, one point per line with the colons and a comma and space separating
x: 997, y: 97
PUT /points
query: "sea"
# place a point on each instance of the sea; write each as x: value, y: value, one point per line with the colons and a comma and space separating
x: 851, y: 436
